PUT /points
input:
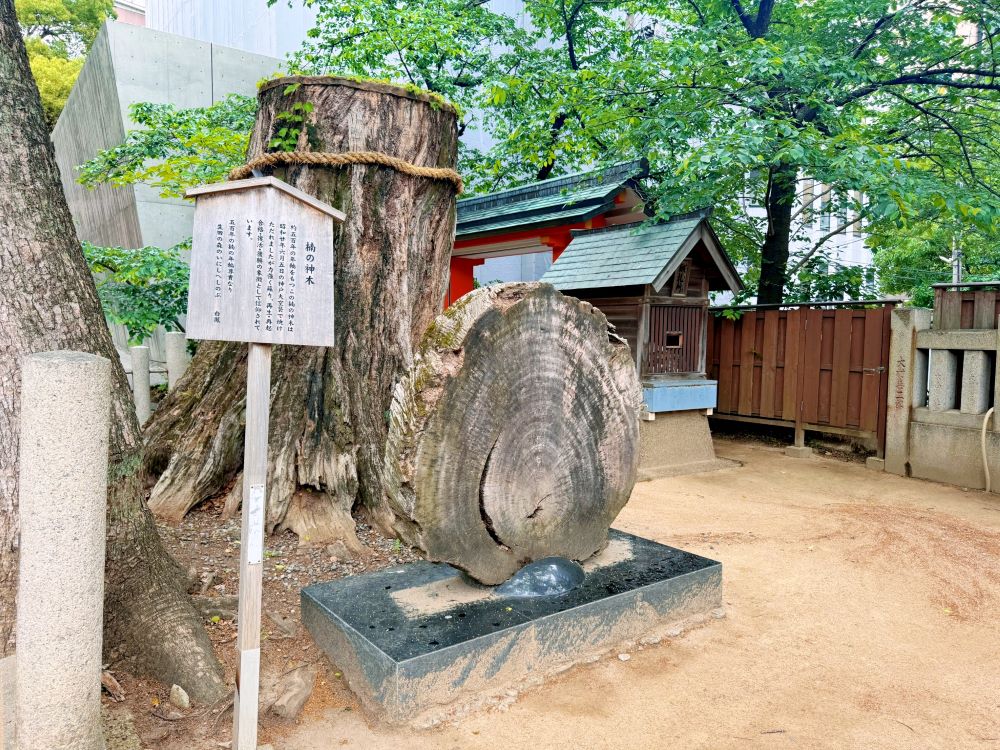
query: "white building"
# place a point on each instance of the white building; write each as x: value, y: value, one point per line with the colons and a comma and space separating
x: 248, y: 25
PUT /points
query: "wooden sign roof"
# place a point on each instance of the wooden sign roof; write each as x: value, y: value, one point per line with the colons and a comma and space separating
x: 256, y: 182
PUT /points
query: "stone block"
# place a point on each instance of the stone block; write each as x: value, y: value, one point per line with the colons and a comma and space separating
x: 798, y: 451
x: 874, y: 463
x: 414, y: 639
x: 7, y: 695
x: 921, y: 361
x: 996, y: 382
x: 177, y: 357
x: 977, y: 382
x: 942, y: 379
x: 907, y: 382
x: 677, y: 442
x: 949, y: 454
x: 140, y: 382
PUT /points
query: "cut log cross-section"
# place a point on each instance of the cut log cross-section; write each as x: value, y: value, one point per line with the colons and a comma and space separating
x: 515, y: 434
x: 328, y: 405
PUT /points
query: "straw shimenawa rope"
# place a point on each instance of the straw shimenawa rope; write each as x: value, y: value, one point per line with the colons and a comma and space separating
x: 321, y: 158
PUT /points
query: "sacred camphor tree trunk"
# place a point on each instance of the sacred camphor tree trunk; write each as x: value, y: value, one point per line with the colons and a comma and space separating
x: 329, y: 406
x: 48, y: 301
x: 515, y: 434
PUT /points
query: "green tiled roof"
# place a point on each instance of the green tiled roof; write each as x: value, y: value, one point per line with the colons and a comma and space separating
x: 628, y: 256
x: 559, y: 200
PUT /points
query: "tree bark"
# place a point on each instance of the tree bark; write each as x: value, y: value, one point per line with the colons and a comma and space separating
x: 515, y: 434
x: 48, y: 301
x: 774, y: 251
x: 328, y: 406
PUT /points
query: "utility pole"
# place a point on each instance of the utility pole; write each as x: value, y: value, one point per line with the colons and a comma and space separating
x: 956, y: 261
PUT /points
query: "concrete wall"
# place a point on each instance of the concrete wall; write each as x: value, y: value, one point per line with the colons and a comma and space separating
x: 91, y: 121
x: 942, y: 383
x: 127, y: 65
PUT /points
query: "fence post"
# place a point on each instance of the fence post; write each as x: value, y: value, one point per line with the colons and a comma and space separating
x: 63, y: 482
x: 905, y: 323
x: 140, y: 382
x: 177, y: 358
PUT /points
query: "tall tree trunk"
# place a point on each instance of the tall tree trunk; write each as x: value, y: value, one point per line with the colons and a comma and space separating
x: 774, y: 251
x: 329, y: 407
x: 48, y: 301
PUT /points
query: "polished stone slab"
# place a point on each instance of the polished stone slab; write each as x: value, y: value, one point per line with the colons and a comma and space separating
x: 421, y: 636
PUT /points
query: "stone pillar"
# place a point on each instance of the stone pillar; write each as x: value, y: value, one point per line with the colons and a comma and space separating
x: 177, y: 357
x: 996, y: 384
x: 140, y: 382
x: 921, y: 364
x: 7, y: 693
x: 63, y: 487
x: 942, y: 380
x: 905, y: 383
x: 976, y: 382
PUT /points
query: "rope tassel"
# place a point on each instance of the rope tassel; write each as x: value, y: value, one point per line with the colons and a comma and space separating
x: 324, y: 159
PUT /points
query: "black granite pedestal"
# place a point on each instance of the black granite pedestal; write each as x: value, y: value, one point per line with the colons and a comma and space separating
x: 419, y: 636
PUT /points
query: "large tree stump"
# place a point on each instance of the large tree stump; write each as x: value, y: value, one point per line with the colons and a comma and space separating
x: 515, y: 434
x: 328, y: 406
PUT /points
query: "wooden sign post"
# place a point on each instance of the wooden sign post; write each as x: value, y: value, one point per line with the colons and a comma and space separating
x: 261, y: 272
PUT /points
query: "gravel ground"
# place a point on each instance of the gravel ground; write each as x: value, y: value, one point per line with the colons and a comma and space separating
x: 207, y: 547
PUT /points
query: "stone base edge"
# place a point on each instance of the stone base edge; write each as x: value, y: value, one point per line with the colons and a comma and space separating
x: 649, y: 473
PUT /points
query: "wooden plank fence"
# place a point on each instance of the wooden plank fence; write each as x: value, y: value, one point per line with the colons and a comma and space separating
x: 821, y: 367
x: 964, y: 306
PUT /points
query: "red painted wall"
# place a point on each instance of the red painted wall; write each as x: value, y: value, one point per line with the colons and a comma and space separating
x: 462, y: 278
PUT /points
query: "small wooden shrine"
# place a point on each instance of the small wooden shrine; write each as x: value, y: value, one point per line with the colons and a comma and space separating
x: 653, y: 283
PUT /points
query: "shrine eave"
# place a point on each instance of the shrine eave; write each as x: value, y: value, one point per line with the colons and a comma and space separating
x: 568, y: 200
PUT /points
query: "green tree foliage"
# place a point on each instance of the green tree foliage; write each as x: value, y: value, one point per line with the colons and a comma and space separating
x: 175, y: 148
x: 734, y: 106
x: 909, y: 262
x: 57, y: 35
x: 142, y: 288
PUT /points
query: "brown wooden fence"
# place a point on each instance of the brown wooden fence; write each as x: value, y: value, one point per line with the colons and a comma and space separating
x: 821, y: 367
x: 970, y: 305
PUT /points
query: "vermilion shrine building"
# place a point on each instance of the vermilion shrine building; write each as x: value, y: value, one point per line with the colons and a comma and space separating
x: 540, y: 218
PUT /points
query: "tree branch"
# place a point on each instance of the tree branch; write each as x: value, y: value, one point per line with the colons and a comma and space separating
x: 745, y: 19
x: 870, y: 36
x: 820, y: 242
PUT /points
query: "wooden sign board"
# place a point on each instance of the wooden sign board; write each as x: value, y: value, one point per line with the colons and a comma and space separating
x: 261, y: 272
x: 261, y: 264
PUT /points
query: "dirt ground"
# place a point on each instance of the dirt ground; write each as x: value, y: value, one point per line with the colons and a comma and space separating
x: 862, y: 611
